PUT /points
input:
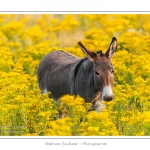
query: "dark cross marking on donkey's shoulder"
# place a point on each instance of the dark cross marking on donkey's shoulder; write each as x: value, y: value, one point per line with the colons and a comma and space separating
x: 77, y: 68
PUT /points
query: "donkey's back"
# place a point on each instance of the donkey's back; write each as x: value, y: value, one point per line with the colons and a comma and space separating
x: 55, y: 73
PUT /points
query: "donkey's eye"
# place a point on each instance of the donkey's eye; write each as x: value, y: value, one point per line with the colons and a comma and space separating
x: 112, y: 71
x: 97, y: 73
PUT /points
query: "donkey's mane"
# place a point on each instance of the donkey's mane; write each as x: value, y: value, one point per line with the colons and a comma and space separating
x: 100, y: 53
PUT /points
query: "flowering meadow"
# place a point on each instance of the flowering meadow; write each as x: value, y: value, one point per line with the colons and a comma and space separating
x: 26, y: 39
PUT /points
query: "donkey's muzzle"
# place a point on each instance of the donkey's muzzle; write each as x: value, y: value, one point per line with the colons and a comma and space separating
x: 107, y: 94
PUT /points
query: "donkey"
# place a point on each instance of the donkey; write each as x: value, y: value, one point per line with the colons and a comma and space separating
x: 91, y: 77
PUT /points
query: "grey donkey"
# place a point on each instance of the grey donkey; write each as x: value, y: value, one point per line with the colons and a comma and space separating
x: 91, y: 77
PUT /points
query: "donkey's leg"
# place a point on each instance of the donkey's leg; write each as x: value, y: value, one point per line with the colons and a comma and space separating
x: 60, y: 113
x: 97, y: 106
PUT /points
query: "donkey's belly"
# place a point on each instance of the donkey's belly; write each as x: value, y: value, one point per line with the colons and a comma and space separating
x: 59, y: 82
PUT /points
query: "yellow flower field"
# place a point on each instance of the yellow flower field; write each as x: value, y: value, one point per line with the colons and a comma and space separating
x: 26, y: 39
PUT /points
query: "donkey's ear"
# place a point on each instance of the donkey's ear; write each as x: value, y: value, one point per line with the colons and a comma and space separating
x: 112, y: 48
x: 89, y: 54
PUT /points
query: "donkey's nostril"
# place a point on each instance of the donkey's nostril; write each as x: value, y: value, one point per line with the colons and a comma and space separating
x: 108, y: 98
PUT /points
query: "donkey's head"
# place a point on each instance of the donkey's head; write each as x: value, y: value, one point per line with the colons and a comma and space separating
x: 102, y: 68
